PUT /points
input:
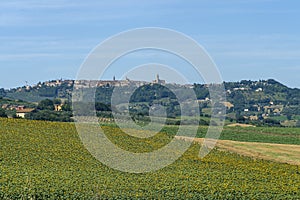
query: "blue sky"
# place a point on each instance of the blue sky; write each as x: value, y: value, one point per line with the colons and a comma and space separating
x: 248, y: 39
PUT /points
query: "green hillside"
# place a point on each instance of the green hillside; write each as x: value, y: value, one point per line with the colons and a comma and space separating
x: 263, y: 102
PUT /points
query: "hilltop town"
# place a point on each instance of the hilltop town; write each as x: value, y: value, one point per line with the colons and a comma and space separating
x: 254, y: 102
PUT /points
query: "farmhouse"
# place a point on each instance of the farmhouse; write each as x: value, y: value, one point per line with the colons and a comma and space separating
x: 253, y: 117
x: 22, y: 112
x: 58, y: 107
x: 228, y: 105
x: 273, y: 109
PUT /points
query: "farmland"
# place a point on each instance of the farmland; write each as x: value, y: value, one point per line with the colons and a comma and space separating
x: 278, y: 135
x: 46, y: 160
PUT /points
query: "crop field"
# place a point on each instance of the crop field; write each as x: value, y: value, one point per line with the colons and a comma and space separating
x: 278, y: 135
x: 46, y: 160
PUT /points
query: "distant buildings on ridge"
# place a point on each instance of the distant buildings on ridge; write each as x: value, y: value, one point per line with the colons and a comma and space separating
x: 114, y: 83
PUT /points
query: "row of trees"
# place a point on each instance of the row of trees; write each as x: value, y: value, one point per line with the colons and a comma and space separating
x: 2, y: 113
x: 46, y: 111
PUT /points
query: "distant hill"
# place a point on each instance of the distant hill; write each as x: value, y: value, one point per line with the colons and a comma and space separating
x: 263, y: 101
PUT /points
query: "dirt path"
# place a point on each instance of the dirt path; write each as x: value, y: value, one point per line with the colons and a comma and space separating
x: 283, y: 153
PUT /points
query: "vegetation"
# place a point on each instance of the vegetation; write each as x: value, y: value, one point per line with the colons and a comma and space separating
x: 2, y: 93
x: 298, y: 123
x: 261, y: 103
x: 16, y: 102
x: 50, y: 115
x: 275, y: 135
x: 46, y: 104
x: 46, y: 111
x: 2, y: 113
x: 43, y: 160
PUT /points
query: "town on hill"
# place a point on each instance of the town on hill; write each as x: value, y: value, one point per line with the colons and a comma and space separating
x: 259, y: 103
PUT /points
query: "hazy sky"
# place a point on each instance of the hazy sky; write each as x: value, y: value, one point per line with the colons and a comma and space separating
x: 248, y: 39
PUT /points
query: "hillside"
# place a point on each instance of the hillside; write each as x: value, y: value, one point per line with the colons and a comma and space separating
x: 264, y: 102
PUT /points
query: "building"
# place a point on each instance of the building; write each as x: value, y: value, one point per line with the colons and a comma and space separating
x: 21, y: 113
x: 58, y: 107
x: 253, y: 118
x: 158, y: 80
x: 5, y: 106
x: 259, y: 90
x: 228, y: 105
x: 82, y: 84
x: 20, y: 107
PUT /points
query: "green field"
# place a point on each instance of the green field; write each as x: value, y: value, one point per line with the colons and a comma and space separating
x: 278, y: 135
x: 46, y: 160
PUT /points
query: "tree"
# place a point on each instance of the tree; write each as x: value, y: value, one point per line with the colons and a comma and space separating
x: 67, y: 107
x: 46, y: 104
x: 239, y: 118
x: 271, y: 122
x: 57, y: 101
x: 2, y: 92
x: 50, y: 115
x: 2, y: 113
x: 46, y: 91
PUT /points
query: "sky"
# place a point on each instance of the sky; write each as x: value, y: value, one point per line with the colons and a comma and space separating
x: 247, y: 39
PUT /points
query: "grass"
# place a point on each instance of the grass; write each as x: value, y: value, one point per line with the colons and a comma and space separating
x: 296, y: 117
x: 279, y: 118
x: 275, y: 152
x: 284, y: 153
x: 278, y: 135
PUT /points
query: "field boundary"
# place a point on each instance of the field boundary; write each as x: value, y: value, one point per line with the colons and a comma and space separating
x: 283, y: 153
